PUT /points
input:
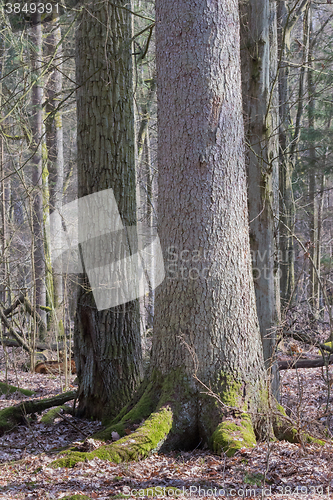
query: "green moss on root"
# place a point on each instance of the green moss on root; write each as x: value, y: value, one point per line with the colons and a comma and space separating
x: 52, y: 414
x: 311, y: 440
x: 9, y: 389
x: 8, y: 418
x: 283, y: 429
x: 145, y: 440
x: 232, y: 435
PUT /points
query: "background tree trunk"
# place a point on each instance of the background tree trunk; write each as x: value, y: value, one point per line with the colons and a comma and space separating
x: 107, y: 343
x: 37, y: 166
x: 286, y: 22
x: 54, y: 141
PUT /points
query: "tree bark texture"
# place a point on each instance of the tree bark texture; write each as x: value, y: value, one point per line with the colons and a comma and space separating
x: 54, y: 140
x: 314, y: 290
x: 287, y: 278
x: 107, y: 343
x: 37, y: 165
x: 205, y: 317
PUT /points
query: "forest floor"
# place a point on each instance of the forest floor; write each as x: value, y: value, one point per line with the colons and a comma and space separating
x: 272, y: 470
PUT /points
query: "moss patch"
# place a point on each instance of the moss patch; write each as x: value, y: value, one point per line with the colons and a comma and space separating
x: 145, y: 440
x: 328, y: 344
x: 283, y: 429
x: 9, y: 418
x: 9, y: 389
x: 231, y: 395
x: 232, y: 435
x: 52, y: 414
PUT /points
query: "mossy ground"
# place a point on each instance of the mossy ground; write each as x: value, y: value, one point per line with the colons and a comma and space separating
x: 49, y: 417
x: 9, y: 389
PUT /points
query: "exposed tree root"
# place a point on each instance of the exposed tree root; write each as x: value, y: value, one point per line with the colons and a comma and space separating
x: 175, y: 421
x: 285, y: 429
x: 146, y: 440
x: 175, y: 416
x: 14, y: 415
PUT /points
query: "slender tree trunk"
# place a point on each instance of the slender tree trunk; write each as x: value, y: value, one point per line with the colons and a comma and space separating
x: 54, y: 141
x: 286, y: 21
x: 3, y: 266
x: 37, y: 165
x: 313, y: 187
x: 145, y: 167
x: 107, y: 342
x: 260, y: 103
x: 286, y: 253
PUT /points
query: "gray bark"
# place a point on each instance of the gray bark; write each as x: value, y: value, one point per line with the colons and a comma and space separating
x: 37, y: 165
x: 205, y: 317
x: 54, y: 141
x: 286, y: 22
x: 107, y: 343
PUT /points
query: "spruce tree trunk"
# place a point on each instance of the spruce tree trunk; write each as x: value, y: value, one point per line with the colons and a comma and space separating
x: 107, y: 342
x: 205, y: 314
x: 260, y: 104
x: 54, y: 142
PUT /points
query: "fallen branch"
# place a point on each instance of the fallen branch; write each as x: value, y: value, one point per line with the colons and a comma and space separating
x: 10, y: 417
x: 305, y: 363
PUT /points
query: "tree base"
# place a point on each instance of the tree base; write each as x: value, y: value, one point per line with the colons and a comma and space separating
x: 173, y: 422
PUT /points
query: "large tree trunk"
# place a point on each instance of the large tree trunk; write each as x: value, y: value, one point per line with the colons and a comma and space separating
x: 107, y: 342
x: 205, y: 326
x: 205, y: 314
x: 37, y: 166
x: 260, y: 104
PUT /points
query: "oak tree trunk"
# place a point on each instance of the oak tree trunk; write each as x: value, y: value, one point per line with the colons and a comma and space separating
x: 107, y: 342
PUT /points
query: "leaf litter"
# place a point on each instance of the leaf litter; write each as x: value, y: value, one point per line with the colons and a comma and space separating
x: 275, y: 470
